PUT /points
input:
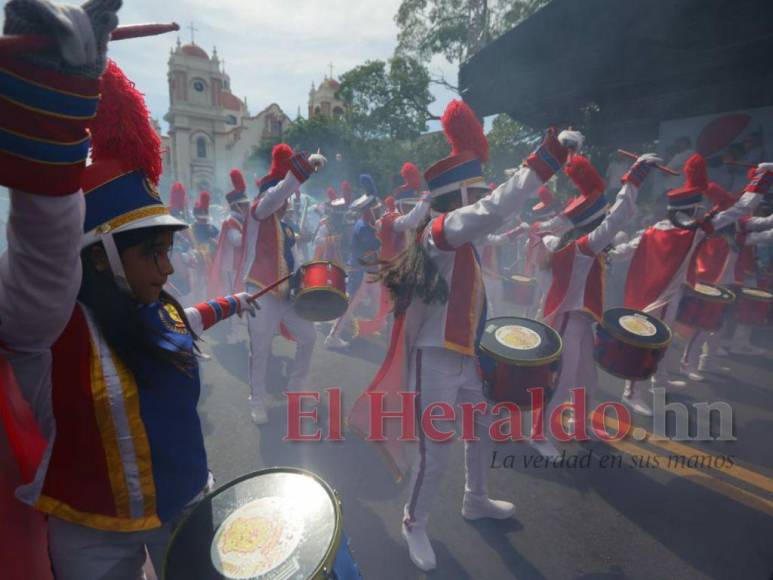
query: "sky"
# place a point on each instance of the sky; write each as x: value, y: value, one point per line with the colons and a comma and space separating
x: 273, y: 50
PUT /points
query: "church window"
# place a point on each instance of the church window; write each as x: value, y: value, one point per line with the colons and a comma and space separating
x: 199, y: 86
x: 201, y: 147
x: 338, y: 111
x: 276, y: 127
x: 230, y: 120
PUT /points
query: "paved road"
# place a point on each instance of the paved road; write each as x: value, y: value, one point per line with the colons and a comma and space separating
x: 693, y: 518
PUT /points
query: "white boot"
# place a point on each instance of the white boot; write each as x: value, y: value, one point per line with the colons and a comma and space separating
x: 633, y: 398
x: 258, y: 411
x: 419, y: 547
x: 475, y: 507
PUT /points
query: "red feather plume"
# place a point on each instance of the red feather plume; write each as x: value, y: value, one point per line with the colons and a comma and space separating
x: 121, y: 129
x: 331, y: 194
x: 464, y: 131
x: 695, y: 171
x: 203, y: 202
x: 280, y: 160
x: 237, y: 180
x: 412, y: 176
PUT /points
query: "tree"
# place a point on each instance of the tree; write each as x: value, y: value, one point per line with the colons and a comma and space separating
x: 509, y: 144
x: 456, y: 29
x: 387, y: 99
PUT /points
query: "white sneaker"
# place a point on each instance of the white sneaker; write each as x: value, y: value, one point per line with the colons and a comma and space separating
x: 258, y: 412
x: 334, y: 342
x: 696, y: 376
x: 637, y: 404
x: 419, y: 547
x: 475, y: 507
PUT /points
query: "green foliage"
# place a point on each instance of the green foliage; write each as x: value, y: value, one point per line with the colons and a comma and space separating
x: 387, y: 99
x: 456, y: 29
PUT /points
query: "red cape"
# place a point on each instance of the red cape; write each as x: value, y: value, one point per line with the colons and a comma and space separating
x: 655, y: 262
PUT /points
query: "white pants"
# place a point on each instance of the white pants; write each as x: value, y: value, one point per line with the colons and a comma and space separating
x: 263, y: 328
x: 700, y: 349
x: 81, y: 553
x: 438, y: 374
x: 578, y: 367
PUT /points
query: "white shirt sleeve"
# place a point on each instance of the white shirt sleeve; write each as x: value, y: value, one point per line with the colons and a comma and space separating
x: 759, y: 237
x: 621, y: 213
x: 624, y: 251
x: 274, y: 197
x: 745, y: 205
x: 472, y: 222
x: 234, y: 237
x: 412, y: 219
x: 194, y: 319
x: 40, y: 273
x: 757, y: 224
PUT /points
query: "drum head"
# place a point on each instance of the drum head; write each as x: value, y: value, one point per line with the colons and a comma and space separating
x: 636, y: 327
x: 712, y: 292
x: 756, y: 294
x: 520, y: 341
x: 275, y: 523
x: 518, y: 279
x: 320, y: 304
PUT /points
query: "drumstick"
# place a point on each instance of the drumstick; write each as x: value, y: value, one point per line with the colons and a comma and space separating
x: 36, y: 42
x: 663, y: 168
x: 269, y: 288
x: 738, y: 164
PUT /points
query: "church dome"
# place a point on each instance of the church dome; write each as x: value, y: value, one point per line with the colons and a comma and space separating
x: 195, y: 51
x: 331, y: 83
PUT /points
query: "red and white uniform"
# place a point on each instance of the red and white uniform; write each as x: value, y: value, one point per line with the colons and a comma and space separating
x: 225, y: 265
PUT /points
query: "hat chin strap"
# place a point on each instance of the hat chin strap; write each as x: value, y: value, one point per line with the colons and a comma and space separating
x: 114, y: 260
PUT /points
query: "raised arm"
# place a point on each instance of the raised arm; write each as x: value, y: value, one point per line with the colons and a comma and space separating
x: 412, y: 219
x: 206, y: 314
x: 624, y: 207
x: 758, y: 187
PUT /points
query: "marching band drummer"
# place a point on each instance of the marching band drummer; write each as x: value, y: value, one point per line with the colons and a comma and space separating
x: 117, y: 391
x: 660, y: 265
x: 490, y: 267
x: 439, y: 298
x: 40, y: 269
x: 225, y: 264
x: 268, y: 255
x: 576, y: 295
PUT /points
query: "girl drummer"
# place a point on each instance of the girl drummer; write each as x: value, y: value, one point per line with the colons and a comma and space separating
x: 439, y: 299
x: 116, y: 393
x: 577, y: 261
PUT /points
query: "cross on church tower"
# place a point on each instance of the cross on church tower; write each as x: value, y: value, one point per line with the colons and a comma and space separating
x: 193, y: 29
x: 331, y: 70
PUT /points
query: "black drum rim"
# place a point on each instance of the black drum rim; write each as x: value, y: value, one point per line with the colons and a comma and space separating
x: 726, y: 296
x: 613, y: 331
x: 526, y: 363
x: 329, y: 558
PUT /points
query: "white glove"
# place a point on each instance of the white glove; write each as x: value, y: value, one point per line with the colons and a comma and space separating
x: 650, y: 158
x: 246, y: 304
x: 571, y: 139
x: 317, y: 161
x: 765, y: 167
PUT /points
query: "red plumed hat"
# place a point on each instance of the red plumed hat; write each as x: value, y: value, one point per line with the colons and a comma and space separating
x: 346, y: 192
x: 121, y: 181
x: 178, y: 200
x: 201, y: 209
x: 412, y: 176
x: 462, y: 169
x: 696, y: 180
x: 280, y: 165
x: 239, y: 192
x: 546, y: 200
x: 389, y: 202
x: 331, y: 193
x: 584, y: 176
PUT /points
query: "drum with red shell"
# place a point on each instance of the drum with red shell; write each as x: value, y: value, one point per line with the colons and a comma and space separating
x: 519, y: 290
x: 704, y: 305
x: 319, y: 294
x: 631, y: 343
x: 754, y: 306
x: 518, y: 354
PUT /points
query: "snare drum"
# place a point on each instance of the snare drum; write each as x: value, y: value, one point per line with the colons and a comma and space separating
x: 704, y: 305
x: 519, y: 290
x: 320, y: 294
x: 753, y: 306
x: 281, y: 522
x: 517, y: 354
x: 630, y: 343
